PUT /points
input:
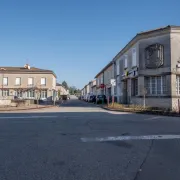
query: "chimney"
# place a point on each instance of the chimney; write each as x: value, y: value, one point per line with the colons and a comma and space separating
x: 27, y: 66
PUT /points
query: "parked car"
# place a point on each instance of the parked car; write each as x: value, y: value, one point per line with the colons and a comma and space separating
x: 94, y: 99
x: 90, y: 98
x: 101, y: 99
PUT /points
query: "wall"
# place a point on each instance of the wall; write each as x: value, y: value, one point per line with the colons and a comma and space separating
x: 5, y: 102
x: 161, y: 39
x: 153, y: 102
x: 120, y: 64
x: 24, y: 80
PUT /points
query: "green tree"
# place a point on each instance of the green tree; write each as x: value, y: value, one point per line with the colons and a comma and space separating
x: 64, y: 83
x: 59, y: 93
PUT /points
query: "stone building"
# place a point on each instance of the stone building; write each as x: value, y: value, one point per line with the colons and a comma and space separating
x: 149, y: 65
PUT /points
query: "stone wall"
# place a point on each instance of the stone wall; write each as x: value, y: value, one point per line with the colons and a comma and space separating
x: 153, y: 102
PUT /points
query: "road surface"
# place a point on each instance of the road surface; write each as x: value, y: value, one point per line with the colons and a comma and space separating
x: 80, y: 141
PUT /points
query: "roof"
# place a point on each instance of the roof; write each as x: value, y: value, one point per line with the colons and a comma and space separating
x: 109, y: 64
x: 25, y: 70
x: 141, y: 34
x: 134, y: 39
x: 58, y: 84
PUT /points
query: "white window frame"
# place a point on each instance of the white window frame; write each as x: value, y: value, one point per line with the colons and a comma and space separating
x: 19, y: 94
x: 101, y: 79
x: 134, y: 57
x: 178, y: 84
x: 32, y: 81
x: 16, y: 82
x: 44, y: 94
x: 156, y: 86
x: 29, y: 94
x: 43, y: 81
x: 125, y: 61
x: 5, y: 93
x: 5, y: 83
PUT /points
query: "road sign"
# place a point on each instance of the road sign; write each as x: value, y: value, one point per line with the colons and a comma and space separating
x: 113, y: 82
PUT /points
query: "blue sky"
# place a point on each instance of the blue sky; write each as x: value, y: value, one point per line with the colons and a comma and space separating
x: 76, y: 38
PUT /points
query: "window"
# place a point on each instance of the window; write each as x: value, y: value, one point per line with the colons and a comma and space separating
x: 178, y: 85
x: 30, y: 94
x: 5, y: 81
x: 18, y: 93
x: 43, y: 81
x: 18, y: 81
x: 101, y: 79
x: 117, y: 66
x: 125, y: 61
x: 30, y: 81
x: 134, y: 87
x: 44, y: 94
x: 5, y: 92
x: 155, y: 85
x: 133, y: 57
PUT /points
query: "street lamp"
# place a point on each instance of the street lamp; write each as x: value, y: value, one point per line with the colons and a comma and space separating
x: 2, y: 69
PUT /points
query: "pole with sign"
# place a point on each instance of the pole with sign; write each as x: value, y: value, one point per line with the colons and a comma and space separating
x: 113, y: 83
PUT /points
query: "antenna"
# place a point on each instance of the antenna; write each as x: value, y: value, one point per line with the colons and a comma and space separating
x: 27, y: 61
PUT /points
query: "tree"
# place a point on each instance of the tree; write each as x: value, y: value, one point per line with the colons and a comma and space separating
x: 64, y: 83
x: 59, y: 93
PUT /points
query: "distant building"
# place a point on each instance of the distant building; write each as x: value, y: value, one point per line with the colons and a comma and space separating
x: 27, y: 83
x: 61, y: 89
x: 148, y: 66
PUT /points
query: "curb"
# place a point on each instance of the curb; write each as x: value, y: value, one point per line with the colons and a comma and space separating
x: 26, y: 108
x: 148, y: 113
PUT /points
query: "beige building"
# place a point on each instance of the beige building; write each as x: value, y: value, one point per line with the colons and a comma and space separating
x: 61, y: 89
x: 27, y: 83
x: 150, y: 65
x: 103, y: 80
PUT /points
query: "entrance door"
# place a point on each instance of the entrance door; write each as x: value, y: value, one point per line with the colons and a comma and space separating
x: 125, y: 96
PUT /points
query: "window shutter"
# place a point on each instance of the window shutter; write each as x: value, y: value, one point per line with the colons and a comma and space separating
x: 117, y: 66
x: 125, y: 62
x: 133, y: 57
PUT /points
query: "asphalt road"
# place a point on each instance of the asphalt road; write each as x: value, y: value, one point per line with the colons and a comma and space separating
x: 80, y: 141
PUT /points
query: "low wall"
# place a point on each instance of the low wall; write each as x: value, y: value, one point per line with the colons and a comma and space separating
x: 5, y: 102
x: 153, y: 102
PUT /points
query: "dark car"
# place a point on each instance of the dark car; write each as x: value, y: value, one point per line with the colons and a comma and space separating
x: 101, y: 99
x: 91, y: 98
x: 94, y: 99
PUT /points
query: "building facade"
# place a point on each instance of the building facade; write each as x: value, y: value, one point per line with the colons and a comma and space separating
x: 148, y: 67
x: 103, y: 81
x: 61, y: 90
x: 100, y: 83
x: 27, y: 83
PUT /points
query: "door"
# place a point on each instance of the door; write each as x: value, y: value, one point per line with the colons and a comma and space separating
x: 125, y: 96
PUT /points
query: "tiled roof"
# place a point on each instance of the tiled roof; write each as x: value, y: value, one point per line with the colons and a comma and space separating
x: 25, y: 70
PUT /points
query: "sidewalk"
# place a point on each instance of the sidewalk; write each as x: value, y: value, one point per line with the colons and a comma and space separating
x: 33, y: 106
x: 131, y: 110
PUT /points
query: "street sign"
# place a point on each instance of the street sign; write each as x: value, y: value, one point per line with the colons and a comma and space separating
x: 113, y: 82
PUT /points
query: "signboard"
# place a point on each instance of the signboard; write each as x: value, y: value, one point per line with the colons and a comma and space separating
x: 113, y: 82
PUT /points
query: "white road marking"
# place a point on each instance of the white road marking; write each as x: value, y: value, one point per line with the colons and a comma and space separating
x: 127, y: 138
x: 25, y: 117
x: 156, y: 117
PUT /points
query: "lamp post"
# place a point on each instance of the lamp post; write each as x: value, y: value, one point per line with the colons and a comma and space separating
x: 2, y: 69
